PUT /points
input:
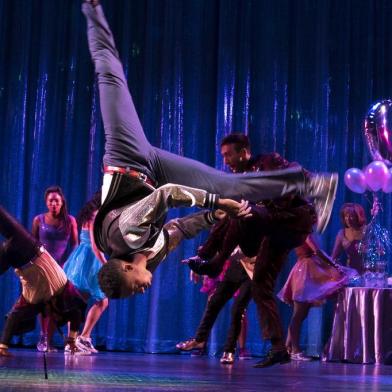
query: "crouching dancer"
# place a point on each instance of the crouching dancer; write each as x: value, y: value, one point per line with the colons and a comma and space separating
x: 141, y: 181
x: 45, y: 288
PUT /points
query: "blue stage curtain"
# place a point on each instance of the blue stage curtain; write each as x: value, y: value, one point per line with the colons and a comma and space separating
x: 297, y: 76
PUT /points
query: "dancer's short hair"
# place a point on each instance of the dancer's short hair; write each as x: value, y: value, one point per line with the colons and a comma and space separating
x: 356, y: 210
x: 111, y: 278
x: 240, y: 141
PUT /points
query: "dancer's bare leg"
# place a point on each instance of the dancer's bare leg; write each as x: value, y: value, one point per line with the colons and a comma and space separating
x: 93, y: 315
x: 300, y: 312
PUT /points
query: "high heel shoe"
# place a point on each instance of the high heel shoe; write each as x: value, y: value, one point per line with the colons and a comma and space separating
x: 197, y: 348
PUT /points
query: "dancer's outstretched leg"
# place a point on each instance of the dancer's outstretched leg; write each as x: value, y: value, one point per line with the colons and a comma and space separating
x: 127, y: 146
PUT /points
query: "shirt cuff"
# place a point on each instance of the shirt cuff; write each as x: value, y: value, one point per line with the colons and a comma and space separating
x: 211, y: 200
x: 210, y: 218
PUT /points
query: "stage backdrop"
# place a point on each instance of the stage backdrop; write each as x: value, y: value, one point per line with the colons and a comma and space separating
x: 297, y: 76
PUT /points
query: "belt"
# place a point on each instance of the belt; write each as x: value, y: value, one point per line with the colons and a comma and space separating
x: 128, y: 172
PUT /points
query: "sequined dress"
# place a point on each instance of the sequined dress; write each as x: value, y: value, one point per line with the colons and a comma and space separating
x: 351, y: 248
x: 55, y: 239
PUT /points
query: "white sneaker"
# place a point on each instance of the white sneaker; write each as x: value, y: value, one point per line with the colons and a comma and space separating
x: 75, y: 350
x: 42, y: 344
x: 85, y: 344
x: 300, y: 357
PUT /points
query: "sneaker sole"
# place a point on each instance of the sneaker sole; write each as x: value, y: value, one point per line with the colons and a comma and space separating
x: 82, y: 347
x: 77, y: 354
x: 189, y: 350
x: 301, y: 360
x: 288, y: 360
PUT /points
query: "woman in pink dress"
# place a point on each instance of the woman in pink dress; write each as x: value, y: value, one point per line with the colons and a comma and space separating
x: 347, y: 241
x: 313, y: 279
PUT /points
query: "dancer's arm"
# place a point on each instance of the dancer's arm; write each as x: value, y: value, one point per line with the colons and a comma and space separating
x: 188, y: 227
x: 135, y: 222
x: 320, y: 253
x: 35, y: 227
x: 338, y: 247
x: 74, y: 233
x: 98, y: 254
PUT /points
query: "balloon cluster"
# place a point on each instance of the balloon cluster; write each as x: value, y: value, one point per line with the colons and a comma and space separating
x: 376, y: 176
x: 376, y: 243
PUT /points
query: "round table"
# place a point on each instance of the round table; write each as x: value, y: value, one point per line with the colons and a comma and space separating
x: 362, y: 326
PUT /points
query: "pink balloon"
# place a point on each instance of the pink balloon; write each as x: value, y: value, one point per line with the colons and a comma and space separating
x: 387, y: 187
x: 355, y: 180
x: 376, y: 174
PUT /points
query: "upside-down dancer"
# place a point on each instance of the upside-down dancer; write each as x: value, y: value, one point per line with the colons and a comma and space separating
x: 141, y: 181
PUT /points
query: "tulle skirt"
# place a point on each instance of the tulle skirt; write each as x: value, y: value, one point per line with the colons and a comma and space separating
x: 82, y: 269
x: 312, y: 280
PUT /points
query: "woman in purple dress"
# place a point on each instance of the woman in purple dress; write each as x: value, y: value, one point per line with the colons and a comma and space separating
x: 58, y: 232
x: 347, y: 241
x: 313, y: 279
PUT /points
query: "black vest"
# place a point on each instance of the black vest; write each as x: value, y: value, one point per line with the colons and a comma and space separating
x: 123, y: 192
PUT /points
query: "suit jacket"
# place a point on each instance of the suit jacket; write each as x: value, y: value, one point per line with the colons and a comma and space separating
x: 124, y: 191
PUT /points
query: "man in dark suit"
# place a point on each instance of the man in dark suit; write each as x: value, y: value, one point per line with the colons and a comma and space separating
x: 273, y: 230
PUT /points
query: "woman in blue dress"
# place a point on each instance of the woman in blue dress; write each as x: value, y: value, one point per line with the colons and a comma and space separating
x: 82, y: 269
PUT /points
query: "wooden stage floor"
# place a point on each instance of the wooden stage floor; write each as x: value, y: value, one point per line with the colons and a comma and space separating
x: 109, y: 371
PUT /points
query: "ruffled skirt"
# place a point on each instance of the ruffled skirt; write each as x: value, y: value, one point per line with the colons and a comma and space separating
x: 82, y: 269
x: 312, y: 280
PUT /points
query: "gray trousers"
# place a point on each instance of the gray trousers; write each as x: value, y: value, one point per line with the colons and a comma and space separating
x: 127, y: 146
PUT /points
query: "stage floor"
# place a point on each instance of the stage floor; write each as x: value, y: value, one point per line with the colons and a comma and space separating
x: 156, y: 372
